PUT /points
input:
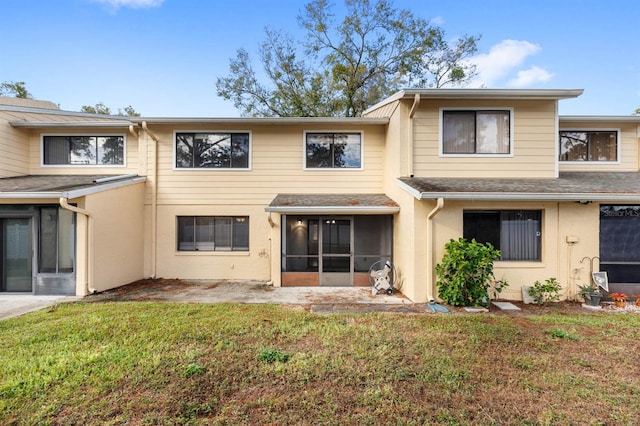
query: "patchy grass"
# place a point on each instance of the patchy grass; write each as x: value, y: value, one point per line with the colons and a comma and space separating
x: 150, y: 363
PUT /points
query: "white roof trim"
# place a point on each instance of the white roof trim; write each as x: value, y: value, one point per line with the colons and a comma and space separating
x: 263, y: 120
x: 600, y: 118
x: 69, y: 124
x: 332, y: 209
x: 74, y: 193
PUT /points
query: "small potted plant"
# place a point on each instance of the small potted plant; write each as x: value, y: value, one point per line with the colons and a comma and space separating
x: 590, y: 294
x: 619, y: 299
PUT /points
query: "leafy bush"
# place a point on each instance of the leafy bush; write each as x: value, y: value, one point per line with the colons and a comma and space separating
x: 466, y: 272
x: 547, y: 292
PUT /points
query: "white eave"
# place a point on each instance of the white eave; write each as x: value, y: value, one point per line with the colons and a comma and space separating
x: 333, y: 209
x: 74, y: 193
x: 121, y: 124
x: 519, y: 196
x: 471, y: 94
x: 264, y: 120
x: 600, y: 118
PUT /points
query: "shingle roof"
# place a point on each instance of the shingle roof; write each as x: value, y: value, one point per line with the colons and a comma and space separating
x: 568, y: 186
x: 332, y: 203
x: 57, y: 185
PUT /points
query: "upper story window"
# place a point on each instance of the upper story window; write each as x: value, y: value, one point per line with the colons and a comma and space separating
x: 224, y: 150
x: 588, y: 145
x: 83, y: 150
x: 476, y: 132
x: 333, y: 150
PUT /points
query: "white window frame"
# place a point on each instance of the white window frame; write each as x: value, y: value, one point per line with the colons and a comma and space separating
x: 591, y: 129
x: 212, y: 169
x: 213, y: 249
x: 474, y: 155
x: 332, y: 169
x: 91, y: 134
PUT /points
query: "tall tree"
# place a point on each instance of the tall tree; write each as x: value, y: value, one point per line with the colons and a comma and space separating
x: 101, y: 108
x: 637, y: 112
x: 16, y: 89
x: 342, y: 67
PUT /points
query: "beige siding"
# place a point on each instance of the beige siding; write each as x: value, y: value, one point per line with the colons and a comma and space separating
x: 14, y: 149
x: 629, y: 139
x: 35, y: 157
x: 386, y: 110
x: 277, y: 163
x: 117, y: 237
x: 534, y: 140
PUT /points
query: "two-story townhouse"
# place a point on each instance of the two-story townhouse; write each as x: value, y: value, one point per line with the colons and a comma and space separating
x: 95, y: 202
x: 557, y: 195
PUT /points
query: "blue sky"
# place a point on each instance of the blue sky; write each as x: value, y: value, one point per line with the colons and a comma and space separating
x: 163, y: 56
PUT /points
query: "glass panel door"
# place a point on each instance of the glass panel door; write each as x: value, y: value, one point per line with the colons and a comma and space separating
x: 337, y: 252
x: 16, y: 255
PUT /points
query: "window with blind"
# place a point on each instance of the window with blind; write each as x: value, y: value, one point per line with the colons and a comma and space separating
x: 588, y: 145
x: 83, y: 150
x: 516, y: 233
x: 476, y: 132
x: 213, y: 233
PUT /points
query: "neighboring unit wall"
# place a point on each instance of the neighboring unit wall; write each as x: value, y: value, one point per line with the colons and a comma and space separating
x: 534, y: 147
x: 14, y: 149
x: 117, y: 245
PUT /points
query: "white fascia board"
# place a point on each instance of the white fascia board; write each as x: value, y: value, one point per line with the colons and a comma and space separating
x: 69, y: 124
x: 522, y: 196
x: 29, y: 195
x: 100, y: 188
x: 600, y: 118
x: 411, y: 190
x: 494, y: 93
x: 265, y: 120
x: 333, y: 210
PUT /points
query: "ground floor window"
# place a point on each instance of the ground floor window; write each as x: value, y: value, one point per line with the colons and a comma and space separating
x: 213, y: 233
x: 620, y: 242
x: 516, y: 233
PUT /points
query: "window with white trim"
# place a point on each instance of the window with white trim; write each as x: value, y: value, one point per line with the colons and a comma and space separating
x: 213, y: 233
x: 516, y: 233
x: 333, y: 150
x: 223, y: 150
x: 83, y: 150
x: 476, y: 132
x: 588, y: 145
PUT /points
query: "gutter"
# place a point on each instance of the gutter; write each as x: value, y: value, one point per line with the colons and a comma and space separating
x: 439, y: 206
x: 114, y: 182
x: 154, y: 201
x: 88, y: 267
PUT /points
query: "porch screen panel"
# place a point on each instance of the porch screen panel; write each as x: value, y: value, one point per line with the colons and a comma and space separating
x: 373, y: 240
x: 48, y: 240
x: 66, y: 240
x: 620, y: 243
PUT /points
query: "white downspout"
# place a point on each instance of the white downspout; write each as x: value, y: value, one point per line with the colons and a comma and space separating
x: 412, y: 112
x: 272, y: 224
x: 439, y: 206
x: 154, y: 201
x: 88, y: 267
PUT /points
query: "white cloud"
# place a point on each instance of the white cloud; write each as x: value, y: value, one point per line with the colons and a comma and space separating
x: 531, y: 76
x: 133, y: 4
x: 503, y: 60
x: 437, y: 20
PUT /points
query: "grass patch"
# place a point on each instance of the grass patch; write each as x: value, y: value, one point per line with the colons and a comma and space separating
x: 156, y: 363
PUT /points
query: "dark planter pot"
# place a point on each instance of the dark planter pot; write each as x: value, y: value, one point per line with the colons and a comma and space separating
x: 594, y: 299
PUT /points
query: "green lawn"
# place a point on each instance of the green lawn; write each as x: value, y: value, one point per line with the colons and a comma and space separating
x: 155, y: 363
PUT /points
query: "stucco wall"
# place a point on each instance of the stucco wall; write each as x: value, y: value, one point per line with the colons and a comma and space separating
x: 117, y: 245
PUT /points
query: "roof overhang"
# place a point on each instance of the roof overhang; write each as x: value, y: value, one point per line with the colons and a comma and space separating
x: 119, y: 124
x: 583, y: 187
x: 101, y: 184
x: 333, y: 204
x: 600, y: 118
x: 472, y: 94
x: 265, y: 120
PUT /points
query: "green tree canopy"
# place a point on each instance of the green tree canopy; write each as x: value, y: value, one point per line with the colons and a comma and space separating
x: 343, y: 66
x: 101, y: 108
x: 16, y: 89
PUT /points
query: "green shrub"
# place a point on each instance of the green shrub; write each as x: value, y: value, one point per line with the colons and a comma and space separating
x: 547, y: 292
x: 273, y: 355
x: 466, y: 272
